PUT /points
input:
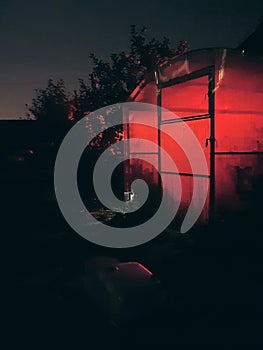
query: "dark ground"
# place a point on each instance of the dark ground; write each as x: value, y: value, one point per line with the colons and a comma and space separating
x: 212, y: 281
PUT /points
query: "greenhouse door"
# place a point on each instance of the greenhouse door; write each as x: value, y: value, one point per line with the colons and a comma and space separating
x: 191, y: 98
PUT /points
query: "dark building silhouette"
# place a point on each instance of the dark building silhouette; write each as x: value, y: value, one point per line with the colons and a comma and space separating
x: 254, y: 43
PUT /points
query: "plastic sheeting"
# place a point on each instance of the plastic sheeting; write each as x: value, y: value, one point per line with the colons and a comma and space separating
x: 237, y: 120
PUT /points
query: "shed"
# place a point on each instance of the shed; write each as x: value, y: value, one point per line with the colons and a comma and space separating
x: 218, y: 94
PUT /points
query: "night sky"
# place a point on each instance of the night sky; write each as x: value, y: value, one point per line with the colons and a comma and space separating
x: 53, y: 38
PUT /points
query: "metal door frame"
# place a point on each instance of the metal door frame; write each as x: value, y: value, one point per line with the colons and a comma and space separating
x: 210, y: 73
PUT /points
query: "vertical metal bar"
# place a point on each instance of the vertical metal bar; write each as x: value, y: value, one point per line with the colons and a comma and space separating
x: 159, y: 117
x: 126, y: 151
x: 211, y: 108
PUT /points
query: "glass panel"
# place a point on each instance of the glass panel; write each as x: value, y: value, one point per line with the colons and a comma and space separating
x: 179, y: 132
x: 186, y: 99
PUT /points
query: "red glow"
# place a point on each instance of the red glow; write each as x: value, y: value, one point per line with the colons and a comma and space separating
x: 238, y: 94
x: 145, y: 269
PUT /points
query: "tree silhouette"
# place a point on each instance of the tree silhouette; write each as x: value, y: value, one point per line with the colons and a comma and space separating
x: 112, y: 82
x: 51, y: 104
x: 109, y: 83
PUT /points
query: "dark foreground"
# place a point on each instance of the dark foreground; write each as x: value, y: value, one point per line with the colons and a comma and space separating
x: 212, y: 282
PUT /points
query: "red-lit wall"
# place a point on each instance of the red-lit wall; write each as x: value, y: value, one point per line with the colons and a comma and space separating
x: 239, y: 135
x: 238, y: 127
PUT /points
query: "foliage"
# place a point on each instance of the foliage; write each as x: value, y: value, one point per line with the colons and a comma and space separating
x: 51, y: 104
x: 109, y: 83
x: 112, y: 82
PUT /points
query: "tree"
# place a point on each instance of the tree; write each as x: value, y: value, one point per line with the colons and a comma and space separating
x: 52, y: 104
x: 112, y: 82
x: 109, y: 83
x: 52, y: 107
